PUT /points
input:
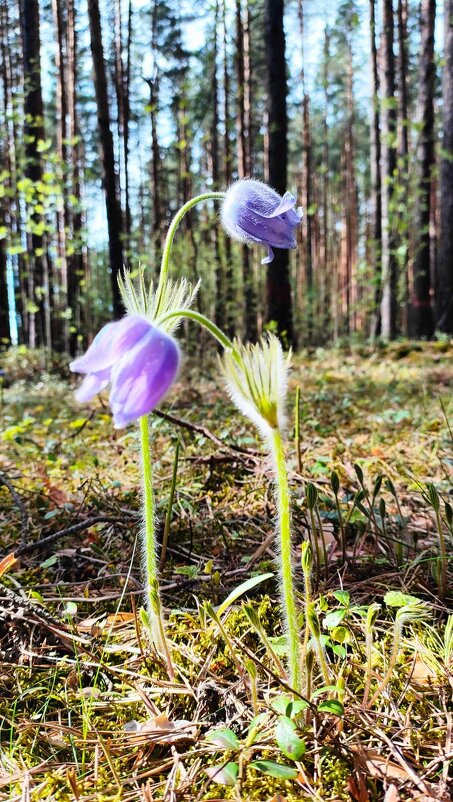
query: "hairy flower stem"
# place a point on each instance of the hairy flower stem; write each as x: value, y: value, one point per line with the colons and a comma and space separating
x: 156, y: 624
x: 442, y: 580
x: 171, y: 235
x: 369, y: 665
x: 392, y: 662
x: 206, y: 323
x: 288, y: 592
x: 306, y: 570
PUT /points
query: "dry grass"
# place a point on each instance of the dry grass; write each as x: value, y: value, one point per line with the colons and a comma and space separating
x: 87, y: 711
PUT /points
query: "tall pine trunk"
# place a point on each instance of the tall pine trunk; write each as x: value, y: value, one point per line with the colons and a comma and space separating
x: 77, y: 267
x: 278, y: 287
x: 60, y: 324
x: 244, y: 156
x: 307, y: 183
x: 389, y: 283
x: 39, y: 331
x: 230, y: 286
x: 215, y: 171
x: 422, y: 324
x: 444, y: 282
x: 111, y: 188
x: 376, y: 182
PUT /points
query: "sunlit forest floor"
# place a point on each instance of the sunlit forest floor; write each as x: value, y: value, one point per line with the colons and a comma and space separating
x: 87, y: 711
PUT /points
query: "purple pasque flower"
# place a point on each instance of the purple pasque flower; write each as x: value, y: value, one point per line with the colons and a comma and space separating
x: 253, y: 212
x: 139, y: 360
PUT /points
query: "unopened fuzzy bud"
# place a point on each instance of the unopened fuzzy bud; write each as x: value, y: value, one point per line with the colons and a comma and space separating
x: 252, y: 615
x: 306, y: 557
x: 311, y: 494
x: 359, y: 472
x: 335, y: 482
x: 313, y: 621
x: 372, y: 614
x: 433, y: 496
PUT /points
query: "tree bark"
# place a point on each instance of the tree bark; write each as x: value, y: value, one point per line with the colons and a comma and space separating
x: 243, y: 77
x: 389, y: 282
x: 444, y: 283
x: 111, y: 188
x: 307, y: 183
x: 215, y: 171
x: 38, y: 274
x: 77, y: 266
x: 60, y: 324
x: 230, y: 286
x: 376, y: 181
x: 422, y: 317
x: 278, y: 287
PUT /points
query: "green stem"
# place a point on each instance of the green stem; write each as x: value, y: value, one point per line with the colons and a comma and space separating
x: 307, y: 602
x: 284, y: 524
x: 443, y: 557
x: 391, y: 666
x: 157, y: 631
x: 171, y: 235
x: 342, y: 532
x: 207, y: 324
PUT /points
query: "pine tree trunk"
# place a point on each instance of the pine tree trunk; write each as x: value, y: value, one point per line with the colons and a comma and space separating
x: 444, y: 283
x: 39, y: 332
x: 376, y: 181
x: 9, y: 206
x: 77, y: 267
x: 111, y: 189
x: 230, y: 287
x: 389, y: 282
x: 60, y: 325
x: 215, y: 171
x: 307, y: 183
x: 278, y: 287
x: 121, y: 76
x: 327, y: 277
x: 422, y: 324
x: 153, y: 83
x: 244, y: 161
x: 5, y: 333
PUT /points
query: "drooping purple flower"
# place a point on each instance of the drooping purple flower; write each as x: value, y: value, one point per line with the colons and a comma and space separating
x: 252, y: 212
x: 139, y: 360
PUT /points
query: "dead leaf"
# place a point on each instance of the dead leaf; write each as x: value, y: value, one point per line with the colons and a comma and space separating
x: 161, y: 730
x: 120, y: 618
x: 357, y: 789
x: 422, y: 674
x: 6, y: 563
x: 391, y: 794
x: 375, y: 765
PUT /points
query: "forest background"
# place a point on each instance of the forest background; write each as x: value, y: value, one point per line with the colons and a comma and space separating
x: 114, y: 114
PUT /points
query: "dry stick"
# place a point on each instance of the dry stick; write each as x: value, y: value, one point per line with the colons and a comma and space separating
x: 163, y: 553
x: 19, y: 504
x: 46, y: 541
x: 194, y: 427
x: 297, y: 430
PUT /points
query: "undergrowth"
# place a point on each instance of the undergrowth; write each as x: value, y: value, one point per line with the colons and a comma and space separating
x: 87, y: 711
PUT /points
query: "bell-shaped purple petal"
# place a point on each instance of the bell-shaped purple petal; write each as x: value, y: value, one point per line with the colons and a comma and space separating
x: 92, y: 384
x: 143, y: 376
x: 253, y: 212
x: 110, y: 344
